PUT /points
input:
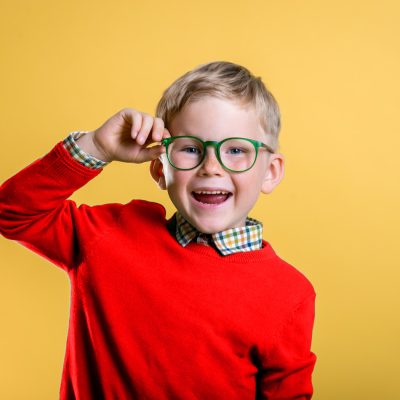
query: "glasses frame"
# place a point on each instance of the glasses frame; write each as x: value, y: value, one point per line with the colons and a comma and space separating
x: 217, y: 145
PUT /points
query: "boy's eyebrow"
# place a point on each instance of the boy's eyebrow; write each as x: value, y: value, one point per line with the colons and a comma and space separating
x: 186, y: 133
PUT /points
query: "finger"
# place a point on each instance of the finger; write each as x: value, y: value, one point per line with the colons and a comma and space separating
x: 158, y: 128
x: 133, y: 118
x: 137, y: 120
x: 166, y: 133
x: 147, y: 124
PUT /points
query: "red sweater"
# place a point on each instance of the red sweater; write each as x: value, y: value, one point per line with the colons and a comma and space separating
x: 150, y: 319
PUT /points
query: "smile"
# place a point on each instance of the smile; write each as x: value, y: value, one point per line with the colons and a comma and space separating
x: 214, y: 197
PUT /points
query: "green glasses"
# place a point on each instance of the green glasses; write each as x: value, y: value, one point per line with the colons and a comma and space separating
x: 235, y: 154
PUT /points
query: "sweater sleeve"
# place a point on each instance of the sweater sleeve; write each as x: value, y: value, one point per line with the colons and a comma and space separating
x: 286, y: 369
x: 35, y: 212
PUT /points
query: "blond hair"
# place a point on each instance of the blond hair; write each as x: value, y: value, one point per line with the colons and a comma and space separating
x: 225, y: 80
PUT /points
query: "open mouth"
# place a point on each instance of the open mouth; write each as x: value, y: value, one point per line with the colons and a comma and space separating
x: 211, y: 197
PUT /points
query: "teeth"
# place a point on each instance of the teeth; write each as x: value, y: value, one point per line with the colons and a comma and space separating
x: 211, y: 192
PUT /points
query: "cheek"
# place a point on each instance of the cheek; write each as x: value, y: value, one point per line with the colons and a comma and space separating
x: 249, y: 187
x: 249, y: 181
x: 177, y: 183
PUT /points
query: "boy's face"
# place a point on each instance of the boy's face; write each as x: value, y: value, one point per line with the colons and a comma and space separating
x: 215, y: 119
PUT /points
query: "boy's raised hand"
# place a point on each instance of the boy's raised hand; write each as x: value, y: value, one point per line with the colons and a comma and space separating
x: 126, y: 137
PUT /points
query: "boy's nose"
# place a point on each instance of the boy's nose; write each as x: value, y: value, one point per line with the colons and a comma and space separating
x: 210, y: 164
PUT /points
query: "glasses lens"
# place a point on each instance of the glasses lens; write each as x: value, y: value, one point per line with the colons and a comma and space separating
x: 238, y: 154
x: 185, y: 153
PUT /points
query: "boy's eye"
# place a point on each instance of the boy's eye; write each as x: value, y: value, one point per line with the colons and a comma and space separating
x: 236, y: 150
x: 191, y: 150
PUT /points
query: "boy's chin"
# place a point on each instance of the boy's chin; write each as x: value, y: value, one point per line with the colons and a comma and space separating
x: 213, y: 224
x: 210, y: 228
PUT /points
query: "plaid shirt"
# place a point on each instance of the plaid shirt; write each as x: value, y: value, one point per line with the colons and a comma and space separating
x: 230, y: 241
x: 79, y: 155
x: 234, y: 240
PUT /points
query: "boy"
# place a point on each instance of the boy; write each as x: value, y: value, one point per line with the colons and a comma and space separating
x: 195, y: 307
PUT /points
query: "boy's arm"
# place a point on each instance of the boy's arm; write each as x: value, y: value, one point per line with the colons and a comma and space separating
x: 34, y: 210
x: 287, y: 367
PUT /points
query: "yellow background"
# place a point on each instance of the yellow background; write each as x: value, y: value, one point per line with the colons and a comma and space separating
x: 334, y: 69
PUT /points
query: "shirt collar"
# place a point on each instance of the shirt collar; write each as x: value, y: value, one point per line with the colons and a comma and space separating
x: 246, y: 238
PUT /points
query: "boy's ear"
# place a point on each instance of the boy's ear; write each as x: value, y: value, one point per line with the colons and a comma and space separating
x: 157, y: 173
x: 274, y: 173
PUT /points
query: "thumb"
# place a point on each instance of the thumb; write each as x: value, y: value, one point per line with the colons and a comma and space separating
x: 151, y: 153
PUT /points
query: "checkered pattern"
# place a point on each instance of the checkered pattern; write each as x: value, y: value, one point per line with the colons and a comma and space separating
x: 79, y: 155
x: 234, y: 240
